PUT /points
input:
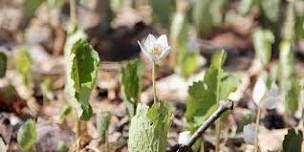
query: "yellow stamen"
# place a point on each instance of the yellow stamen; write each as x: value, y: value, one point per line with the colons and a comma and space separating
x: 155, y: 51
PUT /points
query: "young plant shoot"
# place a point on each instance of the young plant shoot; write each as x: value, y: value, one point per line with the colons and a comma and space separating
x: 264, y: 100
x: 149, y: 127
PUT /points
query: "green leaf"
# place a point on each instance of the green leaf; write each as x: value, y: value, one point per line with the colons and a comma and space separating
x: 46, y: 88
x: 149, y: 128
x: 263, y: 40
x: 205, y: 95
x: 27, y: 135
x: 216, y: 10
x: 103, y: 120
x: 288, y: 83
x: 82, y: 63
x: 271, y: 9
x: 3, y: 64
x: 66, y: 110
x: 188, y: 63
x: 23, y: 63
x: 179, y: 28
x: 61, y: 147
x: 162, y: 11
x: 245, y: 6
x: 202, y: 17
x: 130, y: 78
x: 288, y: 31
x: 30, y: 7
x: 293, y: 141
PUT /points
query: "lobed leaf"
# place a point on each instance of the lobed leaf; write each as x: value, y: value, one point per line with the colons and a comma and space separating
x: 27, y: 135
x: 205, y: 95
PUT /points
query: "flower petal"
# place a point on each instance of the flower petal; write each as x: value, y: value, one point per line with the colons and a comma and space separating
x: 148, y: 54
x: 164, y: 53
x: 193, y: 44
x: 162, y: 40
x: 259, y: 90
x: 270, y: 102
x: 149, y: 41
x: 249, y: 133
x: 272, y: 98
x: 274, y: 90
x: 183, y: 137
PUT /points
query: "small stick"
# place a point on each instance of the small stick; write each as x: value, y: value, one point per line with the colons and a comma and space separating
x: 226, y: 105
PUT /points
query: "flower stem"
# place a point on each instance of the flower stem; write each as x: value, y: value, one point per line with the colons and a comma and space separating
x: 153, y: 82
x: 257, y: 124
x: 73, y: 12
x: 218, y: 134
x: 78, y: 134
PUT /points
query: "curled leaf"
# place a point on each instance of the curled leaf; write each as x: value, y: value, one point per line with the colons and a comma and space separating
x: 149, y: 128
x: 82, y: 66
x: 130, y: 79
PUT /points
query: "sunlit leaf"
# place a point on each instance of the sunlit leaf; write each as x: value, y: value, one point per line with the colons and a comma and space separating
x: 293, y: 141
x: 103, y: 120
x: 263, y: 40
x: 288, y: 82
x: 205, y: 95
x: 130, y: 78
x: 23, y: 63
x: 3, y: 64
x: 149, y: 128
x: 82, y: 63
x: 27, y: 135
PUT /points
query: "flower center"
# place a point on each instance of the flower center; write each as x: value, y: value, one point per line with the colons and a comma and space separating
x: 155, y: 51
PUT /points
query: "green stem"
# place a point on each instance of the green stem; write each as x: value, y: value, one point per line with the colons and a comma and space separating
x: 73, y: 12
x: 257, y: 124
x: 153, y: 82
x: 78, y: 124
x: 218, y: 134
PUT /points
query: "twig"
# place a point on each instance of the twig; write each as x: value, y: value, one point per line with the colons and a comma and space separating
x: 226, y: 105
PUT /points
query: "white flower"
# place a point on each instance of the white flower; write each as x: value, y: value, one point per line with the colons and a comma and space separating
x: 183, y: 137
x: 155, y: 49
x: 272, y: 97
x: 259, y: 90
x: 249, y: 133
x: 193, y: 44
